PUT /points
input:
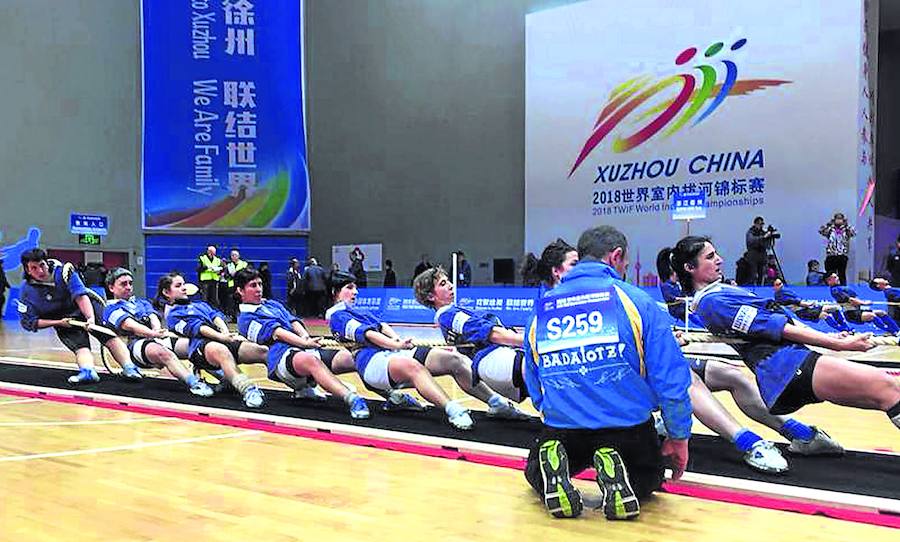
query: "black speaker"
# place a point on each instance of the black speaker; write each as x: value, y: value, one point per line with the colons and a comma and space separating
x: 504, y: 271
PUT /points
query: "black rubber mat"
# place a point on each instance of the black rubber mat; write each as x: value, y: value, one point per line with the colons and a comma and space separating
x: 871, y: 474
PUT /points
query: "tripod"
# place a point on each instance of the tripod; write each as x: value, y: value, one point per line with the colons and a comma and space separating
x: 770, y: 251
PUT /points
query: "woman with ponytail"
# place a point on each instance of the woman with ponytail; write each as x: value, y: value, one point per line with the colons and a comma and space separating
x: 788, y: 373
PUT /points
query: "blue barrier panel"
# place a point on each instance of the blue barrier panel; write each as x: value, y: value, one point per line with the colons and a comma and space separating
x: 512, y: 305
x: 372, y: 299
x: 400, y: 305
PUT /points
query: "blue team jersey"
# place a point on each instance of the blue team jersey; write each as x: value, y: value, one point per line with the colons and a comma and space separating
x: 188, y: 318
x: 671, y: 291
x: 786, y: 296
x: 599, y: 353
x: 351, y: 323
x: 842, y: 294
x: 259, y: 323
x: 50, y: 300
x: 460, y: 326
x: 117, y: 312
x: 732, y: 311
x: 892, y: 294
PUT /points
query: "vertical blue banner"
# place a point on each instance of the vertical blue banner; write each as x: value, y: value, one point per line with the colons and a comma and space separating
x: 224, y: 144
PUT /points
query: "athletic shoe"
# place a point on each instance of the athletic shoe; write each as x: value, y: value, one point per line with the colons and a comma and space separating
x: 619, y: 500
x: 507, y: 411
x: 222, y: 386
x: 406, y: 402
x: 562, y: 499
x: 131, y: 372
x: 201, y: 389
x: 765, y: 457
x: 309, y: 393
x: 84, y: 376
x: 461, y: 421
x: 254, y: 397
x: 821, y: 444
x: 359, y: 409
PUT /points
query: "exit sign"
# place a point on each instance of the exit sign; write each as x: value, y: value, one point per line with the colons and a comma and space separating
x: 88, y: 239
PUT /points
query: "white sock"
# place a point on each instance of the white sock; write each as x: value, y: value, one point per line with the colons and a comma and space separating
x: 453, y: 409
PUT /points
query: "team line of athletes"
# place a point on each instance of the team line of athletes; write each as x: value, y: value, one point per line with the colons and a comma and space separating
x: 495, y: 364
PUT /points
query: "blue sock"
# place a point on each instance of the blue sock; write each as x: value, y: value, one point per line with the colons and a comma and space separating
x: 878, y: 322
x: 887, y: 323
x: 834, y: 324
x: 839, y: 317
x: 191, y: 380
x: 745, y: 439
x: 792, y: 429
x: 496, y: 401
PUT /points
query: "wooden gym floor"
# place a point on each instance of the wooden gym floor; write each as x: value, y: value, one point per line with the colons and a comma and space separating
x: 74, y: 472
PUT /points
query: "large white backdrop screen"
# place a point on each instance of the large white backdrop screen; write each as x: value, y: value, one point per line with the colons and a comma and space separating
x: 781, y: 143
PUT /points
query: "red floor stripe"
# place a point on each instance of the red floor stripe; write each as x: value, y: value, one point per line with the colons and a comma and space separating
x: 784, y: 504
x: 673, y: 487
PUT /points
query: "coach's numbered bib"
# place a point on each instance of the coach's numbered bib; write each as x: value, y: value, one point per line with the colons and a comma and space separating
x: 577, y: 320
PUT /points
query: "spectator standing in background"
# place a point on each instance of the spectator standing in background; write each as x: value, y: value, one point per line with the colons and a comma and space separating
x: 892, y: 262
x: 228, y: 297
x: 265, y: 274
x: 390, y: 278
x: 757, y: 239
x: 422, y: 266
x: 463, y: 271
x: 357, y: 267
x: 209, y: 270
x: 838, y: 233
x: 294, y: 288
x: 335, y: 269
x: 316, y: 288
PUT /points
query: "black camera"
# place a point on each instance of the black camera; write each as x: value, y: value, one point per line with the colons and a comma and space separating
x: 772, y: 232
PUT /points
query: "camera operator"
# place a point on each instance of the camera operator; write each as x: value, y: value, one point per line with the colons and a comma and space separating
x: 759, y: 239
x: 838, y: 232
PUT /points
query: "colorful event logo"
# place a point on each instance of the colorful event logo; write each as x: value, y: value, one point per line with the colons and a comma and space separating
x: 628, y: 96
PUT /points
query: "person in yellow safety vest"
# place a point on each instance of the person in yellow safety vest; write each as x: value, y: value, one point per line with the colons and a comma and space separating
x: 229, y: 299
x: 210, y: 270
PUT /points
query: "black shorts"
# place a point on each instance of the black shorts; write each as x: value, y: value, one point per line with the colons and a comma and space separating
x: 137, y: 349
x: 854, y: 315
x: 517, y: 379
x: 638, y: 445
x: 325, y: 354
x: 75, y: 338
x: 810, y: 314
x: 799, y: 391
x: 198, y: 358
x: 698, y: 365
